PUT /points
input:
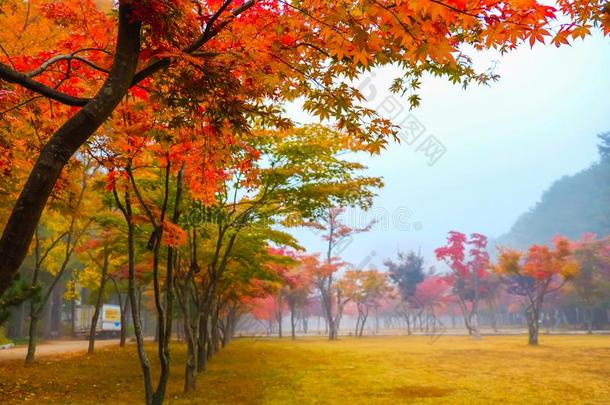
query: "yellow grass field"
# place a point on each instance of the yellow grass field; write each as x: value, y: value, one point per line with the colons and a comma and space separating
x: 374, y: 370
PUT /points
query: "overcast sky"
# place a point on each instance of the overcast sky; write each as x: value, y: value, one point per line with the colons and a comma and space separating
x: 505, y: 144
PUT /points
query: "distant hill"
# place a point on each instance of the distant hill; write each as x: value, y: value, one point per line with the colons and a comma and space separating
x: 573, y: 205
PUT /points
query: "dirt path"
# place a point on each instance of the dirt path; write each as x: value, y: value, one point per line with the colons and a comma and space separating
x: 53, y: 348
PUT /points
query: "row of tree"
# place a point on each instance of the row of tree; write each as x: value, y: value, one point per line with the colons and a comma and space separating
x: 530, y: 281
x: 144, y: 144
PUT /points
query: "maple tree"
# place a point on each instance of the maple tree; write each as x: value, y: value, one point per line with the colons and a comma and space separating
x: 178, y: 104
x: 297, y: 286
x: 592, y: 283
x: 102, y: 256
x: 270, y: 49
x: 535, y: 274
x: 336, y: 234
x: 431, y: 297
x: 406, y: 274
x: 364, y: 288
x: 468, y: 260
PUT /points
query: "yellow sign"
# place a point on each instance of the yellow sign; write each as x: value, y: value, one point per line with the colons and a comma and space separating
x: 112, y: 314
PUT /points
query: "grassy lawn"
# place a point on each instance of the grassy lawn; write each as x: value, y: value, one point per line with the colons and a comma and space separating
x: 380, y: 370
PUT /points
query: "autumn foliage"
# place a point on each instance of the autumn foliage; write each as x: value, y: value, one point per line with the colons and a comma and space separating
x: 150, y: 141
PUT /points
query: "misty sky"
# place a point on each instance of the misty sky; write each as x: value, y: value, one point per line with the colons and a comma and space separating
x: 505, y: 144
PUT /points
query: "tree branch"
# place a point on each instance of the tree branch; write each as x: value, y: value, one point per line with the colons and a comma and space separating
x: 13, y: 76
x: 59, y: 58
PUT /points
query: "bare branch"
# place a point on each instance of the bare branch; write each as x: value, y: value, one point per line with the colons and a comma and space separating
x: 13, y: 76
x: 58, y: 58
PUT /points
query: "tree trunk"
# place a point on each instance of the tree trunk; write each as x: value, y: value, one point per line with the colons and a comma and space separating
x: 190, y: 369
x: 32, y: 333
x: 201, y: 342
x: 292, y: 323
x: 474, y: 317
x: 212, y: 335
x: 279, y: 316
x: 98, y: 303
x: 408, y: 321
x: 133, y: 295
x: 332, y: 332
x: 124, y: 310
x: 474, y: 323
x: 365, y: 315
x: 533, y: 315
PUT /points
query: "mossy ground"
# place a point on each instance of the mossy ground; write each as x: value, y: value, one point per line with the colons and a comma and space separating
x: 374, y: 370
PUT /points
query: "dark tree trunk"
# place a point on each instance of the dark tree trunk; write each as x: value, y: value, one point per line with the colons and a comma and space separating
x: 292, y: 322
x: 32, y: 334
x: 125, y: 307
x: 214, y: 342
x: 190, y: 333
x: 279, y: 317
x: 98, y: 303
x: 190, y: 369
x: 202, y: 342
x: 211, y: 331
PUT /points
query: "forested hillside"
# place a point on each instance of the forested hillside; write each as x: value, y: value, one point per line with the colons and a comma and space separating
x: 573, y: 205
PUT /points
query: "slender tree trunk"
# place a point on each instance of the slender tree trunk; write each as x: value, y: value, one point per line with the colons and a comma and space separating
x: 32, y: 333
x: 475, y: 308
x: 279, y: 316
x: 124, y: 308
x: 365, y: 315
x: 226, y: 332
x: 190, y: 332
x: 212, y: 334
x: 190, y: 369
x: 133, y: 295
x: 292, y: 323
x: 201, y: 342
x: 408, y: 321
x: 98, y: 303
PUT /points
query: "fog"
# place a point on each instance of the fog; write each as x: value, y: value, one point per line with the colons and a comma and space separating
x: 505, y: 144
